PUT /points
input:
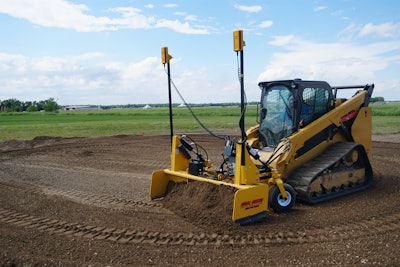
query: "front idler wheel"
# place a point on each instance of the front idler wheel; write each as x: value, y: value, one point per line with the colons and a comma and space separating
x: 277, y: 202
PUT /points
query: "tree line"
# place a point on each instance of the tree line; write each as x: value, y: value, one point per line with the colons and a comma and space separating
x: 377, y: 99
x: 50, y: 105
x: 15, y: 105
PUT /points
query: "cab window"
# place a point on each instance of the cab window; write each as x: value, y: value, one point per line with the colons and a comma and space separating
x: 278, y: 120
x: 315, y: 103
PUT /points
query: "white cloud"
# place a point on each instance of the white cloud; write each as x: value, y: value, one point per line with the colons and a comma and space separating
x: 201, y: 86
x: 281, y: 40
x: 82, y: 79
x: 265, y: 24
x: 186, y: 16
x: 50, y: 13
x: 63, y: 14
x: 320, y: 8
x: 170, y: 5
x: 90, y: 79
x: 384, y: 30
x: 349, y: 32
x: 178, y: 26
x: 191, y: 17
x: 336, y: 63
x: 249, y: 9
x: 150, y: 6
x: 131, y: 18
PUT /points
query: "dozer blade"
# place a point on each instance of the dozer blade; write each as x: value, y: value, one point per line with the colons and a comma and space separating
x: 160, y: 180
x: 158, y: 186
x: 250, y: 204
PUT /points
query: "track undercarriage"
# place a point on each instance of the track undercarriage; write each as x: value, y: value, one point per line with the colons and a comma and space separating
x: 342, y: 169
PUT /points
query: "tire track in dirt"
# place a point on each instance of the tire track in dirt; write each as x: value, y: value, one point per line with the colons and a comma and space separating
x: 91, y: 199
x: 77, y: 169
x: 365, y: 227
x: 141, y: 236
x: 17, y: 148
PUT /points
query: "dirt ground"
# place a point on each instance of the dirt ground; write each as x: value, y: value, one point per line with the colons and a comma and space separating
x: 85, y: 202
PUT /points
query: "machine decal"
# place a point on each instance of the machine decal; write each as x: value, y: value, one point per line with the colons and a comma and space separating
x: 251, y: 203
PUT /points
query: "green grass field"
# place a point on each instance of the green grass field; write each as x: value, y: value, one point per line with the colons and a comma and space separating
x: 25, y: 126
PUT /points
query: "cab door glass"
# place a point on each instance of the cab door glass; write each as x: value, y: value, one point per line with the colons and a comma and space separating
x: 278, y: 120
x: 315, y: 103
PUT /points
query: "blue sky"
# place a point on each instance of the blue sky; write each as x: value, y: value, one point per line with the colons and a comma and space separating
x: 109, y: 52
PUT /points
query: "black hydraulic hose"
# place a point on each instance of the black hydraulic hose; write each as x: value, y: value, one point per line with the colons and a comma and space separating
x: 194, y: 115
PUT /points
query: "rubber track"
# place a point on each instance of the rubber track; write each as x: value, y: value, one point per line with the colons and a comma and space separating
x: 142, y: 236
x: 304, y: 176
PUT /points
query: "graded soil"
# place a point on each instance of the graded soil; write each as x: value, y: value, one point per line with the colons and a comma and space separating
x: 85, y: 202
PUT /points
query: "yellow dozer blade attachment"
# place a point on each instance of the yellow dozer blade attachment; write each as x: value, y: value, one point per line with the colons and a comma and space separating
x: 250, y: 202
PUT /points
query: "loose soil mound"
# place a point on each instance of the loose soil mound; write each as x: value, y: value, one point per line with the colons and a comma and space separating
x: 205, y: 203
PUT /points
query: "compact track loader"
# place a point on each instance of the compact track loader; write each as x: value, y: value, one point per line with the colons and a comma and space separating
x: 309, y: 145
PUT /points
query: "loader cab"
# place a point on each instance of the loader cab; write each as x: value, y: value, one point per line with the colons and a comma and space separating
x: 287, y: 106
